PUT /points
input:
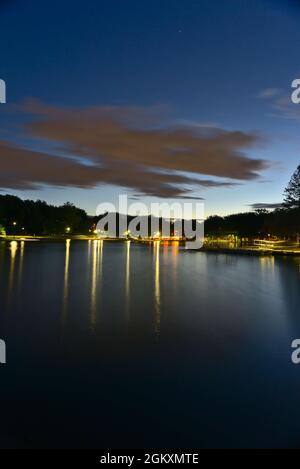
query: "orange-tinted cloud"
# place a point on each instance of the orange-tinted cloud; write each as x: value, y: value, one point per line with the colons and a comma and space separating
x: 128, y: 147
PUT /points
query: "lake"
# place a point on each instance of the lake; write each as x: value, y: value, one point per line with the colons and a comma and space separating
x: 122, y: 345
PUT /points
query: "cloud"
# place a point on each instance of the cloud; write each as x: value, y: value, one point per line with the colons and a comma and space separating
x: 262, y: 205
x: 284, y: 107
x: 281, y: 103
x: 129, y: 147
x: 268, y: 93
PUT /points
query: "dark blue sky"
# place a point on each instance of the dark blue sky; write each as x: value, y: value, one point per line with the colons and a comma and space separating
x: 225, y: 64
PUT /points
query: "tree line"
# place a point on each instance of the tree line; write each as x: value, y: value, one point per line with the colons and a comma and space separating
x: 30, y: 217
x: 282, y: 222
x: 19, y: 216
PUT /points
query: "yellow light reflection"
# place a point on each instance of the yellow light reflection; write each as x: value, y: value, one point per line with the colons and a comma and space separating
x: 175, y: 249
x: 96, y: 267
x: 89, y: 251
x: 21, y: 263
x: 157, y: 288
x: 267, y: 262
x: 100, y: 265
x: 13, y: 251
x: 165, y: 248
x: 66, y: 280
x: 127, y: 281
x: 100, y: 255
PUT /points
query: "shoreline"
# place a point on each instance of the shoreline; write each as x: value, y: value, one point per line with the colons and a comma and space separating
x: 250, y: 252
x: 247, y: 250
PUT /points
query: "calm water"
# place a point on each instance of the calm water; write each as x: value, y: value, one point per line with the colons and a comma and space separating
x: 122, y: 345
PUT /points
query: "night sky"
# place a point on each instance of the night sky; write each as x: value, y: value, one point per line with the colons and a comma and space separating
x: 159, y: 99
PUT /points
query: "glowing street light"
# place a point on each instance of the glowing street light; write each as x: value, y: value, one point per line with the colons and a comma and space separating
x: 68, y: 229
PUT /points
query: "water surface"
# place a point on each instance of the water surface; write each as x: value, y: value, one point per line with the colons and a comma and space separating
x: 127, y: 345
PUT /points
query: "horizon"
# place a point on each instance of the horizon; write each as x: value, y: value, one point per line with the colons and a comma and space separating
x: 253, y: 210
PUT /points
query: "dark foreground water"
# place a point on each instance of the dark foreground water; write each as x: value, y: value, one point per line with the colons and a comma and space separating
x: 122, y: 345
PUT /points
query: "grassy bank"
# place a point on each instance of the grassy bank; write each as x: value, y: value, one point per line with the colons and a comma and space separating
x: 251, y: 251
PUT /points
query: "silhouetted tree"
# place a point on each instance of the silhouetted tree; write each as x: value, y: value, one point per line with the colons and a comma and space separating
x: 292, y: 191
x: 38, y: 218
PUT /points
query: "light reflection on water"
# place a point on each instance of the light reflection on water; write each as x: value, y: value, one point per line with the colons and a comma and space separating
x: 176, y: 270
x: 96, y: 279
x: 94, y: 284
x: 66, y: 281
x: 193, y: 329
x: 157, y: 286
x: 127, y: 281
x: 13, y: 252
x: 22, y: 248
